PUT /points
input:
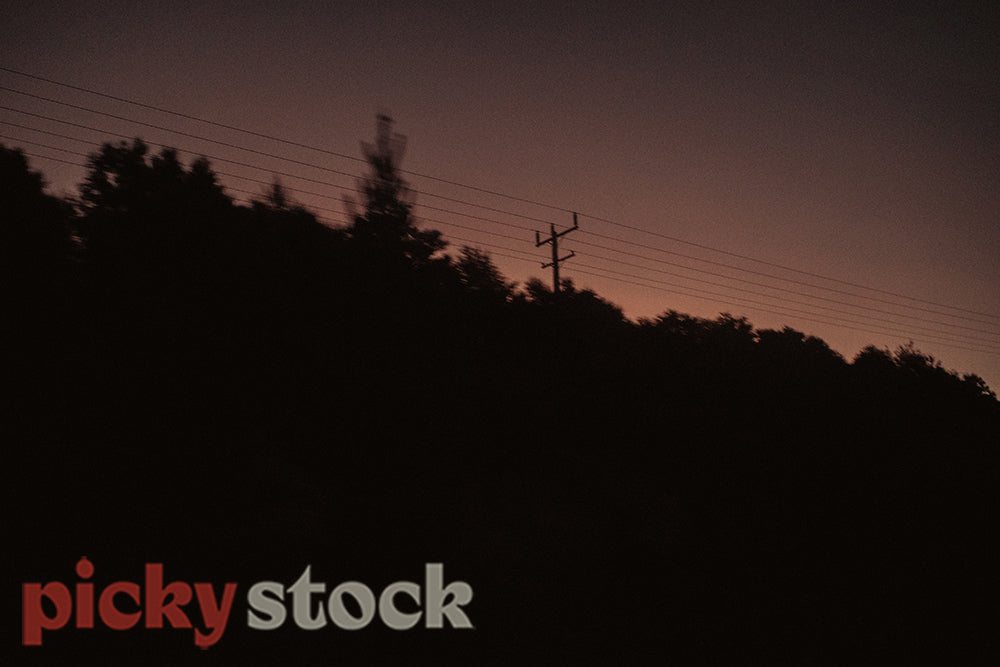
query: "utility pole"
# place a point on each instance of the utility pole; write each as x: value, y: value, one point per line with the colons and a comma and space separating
x: 554, y: 240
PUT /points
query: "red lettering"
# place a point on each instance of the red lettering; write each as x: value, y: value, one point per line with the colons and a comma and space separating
x: 178, y: 592
x: 33, y: 618
x: 215, y: 615
x: 112, y: 617
x: 85, y: 605
x: 84, y: 595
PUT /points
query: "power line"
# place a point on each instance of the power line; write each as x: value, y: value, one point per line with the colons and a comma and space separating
x: 914, y: 327
x: 54, y: 159
x: 721, y: 298
x: 238, y: 177
x: 911, y: 326
x: 766, y: 286
x: 471, y: 229
x: 811, y: 305
x: 774, y: 277
x: 280, y: 173
x: 808, y: 315
x: 786, y: 268
x: 271, y: 155
x: 161, y: 128
x: 153, y: 143
x: 805, y: 315
x: 326, y: 183
x: 724, y: 299
x: 251, y: 150
x: 498, y: 194
x: 553, y: 241
x: 727, y: 277
x: 280, y: 140
x: 774, y: 312
x: 41, y: 145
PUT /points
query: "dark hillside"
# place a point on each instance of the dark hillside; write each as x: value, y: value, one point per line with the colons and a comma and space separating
x: 239, y: 392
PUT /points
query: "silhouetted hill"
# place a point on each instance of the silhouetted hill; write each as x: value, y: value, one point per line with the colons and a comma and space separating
x: 239, y: 392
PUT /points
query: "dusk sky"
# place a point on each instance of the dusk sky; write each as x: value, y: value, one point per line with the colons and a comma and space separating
x: 830, y: 167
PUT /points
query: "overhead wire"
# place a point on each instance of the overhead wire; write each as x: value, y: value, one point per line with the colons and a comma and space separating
x: 279, y: 139
x: 671, y: 288
x: 618, y: 262
x: 251, y: 150
x: 494, y: 209
x: 271, y: 137
x: 790, y: 309
x: 766, y: 286
x: 793, y: 312
x: 274, y: 171
x: 784, y: 267
x: 521, y: 227
x: 783, y: 279
x: 809, y: 318
x: 769, y: 308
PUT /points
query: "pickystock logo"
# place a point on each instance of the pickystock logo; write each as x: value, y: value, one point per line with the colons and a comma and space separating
x: 206, y: 608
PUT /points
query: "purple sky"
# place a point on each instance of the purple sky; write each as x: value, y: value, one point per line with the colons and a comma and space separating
x: 857, y: 143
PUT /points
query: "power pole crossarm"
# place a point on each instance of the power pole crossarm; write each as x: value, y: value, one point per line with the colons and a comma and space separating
x: 554, y: 240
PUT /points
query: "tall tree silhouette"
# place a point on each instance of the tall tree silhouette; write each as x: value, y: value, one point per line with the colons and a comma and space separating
x: 386, y: 227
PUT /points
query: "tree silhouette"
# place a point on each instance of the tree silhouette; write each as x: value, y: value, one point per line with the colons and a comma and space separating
x: 42, y: 299
x: 122, y: 181
x: 35, y: 236
x: 479, y: 275
x: 386, y: 229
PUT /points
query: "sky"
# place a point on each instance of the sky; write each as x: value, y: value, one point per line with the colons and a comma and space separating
x: 832, y: 167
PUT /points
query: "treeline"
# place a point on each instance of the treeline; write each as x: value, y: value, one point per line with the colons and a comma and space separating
x: 239, y: 391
